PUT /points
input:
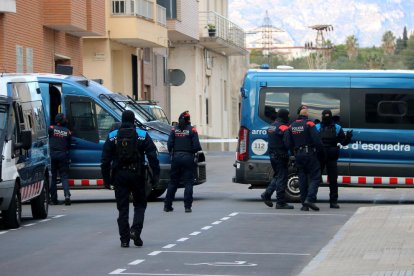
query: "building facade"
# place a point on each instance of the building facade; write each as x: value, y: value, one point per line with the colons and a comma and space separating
x: 37, y: 36
x: 214, y: 63
x: 131, y: 56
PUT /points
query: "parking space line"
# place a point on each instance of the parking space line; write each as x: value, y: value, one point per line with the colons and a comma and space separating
x: 225, y: 218
x: 171, y: 245
x: 233, y: 214
x: 136, y: 262
x: 195, y: 233
x: 300, y: 214
x: 182, y: 239
x: 30, y: 224
x: 58, y: 216
x: 217, y: 222
x: 44, y: 220
x: 206, y: 227
x: 3, y: 232
x: 238, y: 253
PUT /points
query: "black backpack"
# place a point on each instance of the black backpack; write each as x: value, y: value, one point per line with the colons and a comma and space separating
x: 328, y: 135
x: 129, y: 156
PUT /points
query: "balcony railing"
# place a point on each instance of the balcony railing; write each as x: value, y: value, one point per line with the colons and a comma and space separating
x: 161, y: 15
x: 144, y: 8
x: 225, y: 29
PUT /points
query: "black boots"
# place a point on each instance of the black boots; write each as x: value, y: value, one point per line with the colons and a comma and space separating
x: 136, y: 238
x: 266, y: 199
x: 311, y: 205
x: 334, y: 204
x: 284, y: 206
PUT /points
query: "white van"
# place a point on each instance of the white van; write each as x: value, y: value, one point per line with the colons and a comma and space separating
x: 24, y: 171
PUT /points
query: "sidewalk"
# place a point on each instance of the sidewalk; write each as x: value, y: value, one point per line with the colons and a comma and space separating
x: 375, y: 241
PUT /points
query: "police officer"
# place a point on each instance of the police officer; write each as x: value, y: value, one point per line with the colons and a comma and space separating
x: 59, y: 143
x: 123, y: 167
x: 303, y: 140
x: 331, y: 134
x: 279, y: 159
x: 183, y: 143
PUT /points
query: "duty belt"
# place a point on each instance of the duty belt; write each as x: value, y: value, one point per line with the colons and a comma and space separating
x: 306, y: 148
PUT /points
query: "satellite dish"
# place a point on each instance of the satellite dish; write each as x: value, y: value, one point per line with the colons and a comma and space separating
x: 176, y: 77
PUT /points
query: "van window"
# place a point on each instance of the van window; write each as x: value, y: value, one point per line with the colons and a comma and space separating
x: 105, y: 122
x: 389, y: 109
x: 270, y: 102
x: 3, y: 116
x: 317, y: 102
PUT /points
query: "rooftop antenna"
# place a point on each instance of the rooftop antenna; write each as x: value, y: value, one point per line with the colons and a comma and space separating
x: 320, y: 51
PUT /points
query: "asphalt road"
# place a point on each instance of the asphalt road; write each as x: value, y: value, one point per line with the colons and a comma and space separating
x: 229, y: 232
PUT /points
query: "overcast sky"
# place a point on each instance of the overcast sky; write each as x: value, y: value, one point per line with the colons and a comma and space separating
x: 366, y: 19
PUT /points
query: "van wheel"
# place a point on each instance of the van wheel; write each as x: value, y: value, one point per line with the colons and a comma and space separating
x: 292, y: 188
x: 12, y: 217
x: 40, y: 204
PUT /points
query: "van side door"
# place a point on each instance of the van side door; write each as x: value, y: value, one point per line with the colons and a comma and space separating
x: 90, y: 125
x: 383, y: 121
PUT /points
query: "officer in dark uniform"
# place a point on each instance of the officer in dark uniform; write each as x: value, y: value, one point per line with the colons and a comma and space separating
x: 129, y: 177
x: 279, y: 159
x: 303, y: 140
x: 59, y: 143
x: 331, y: 134
x: 183, y: 143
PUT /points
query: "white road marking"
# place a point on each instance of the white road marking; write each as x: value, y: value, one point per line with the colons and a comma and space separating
x: 166, y: 274
x: 225, y: 218
x: 136, y: 262
x: 3, y: 232
x: 237, y: 253
x: 206, y: 227
x: 233, y: 214
x: 300, y: 214
x: 171, y: 245
x: 217, y: 222
x: 232, y: 264
x: 195, y: 233
x: 30, y: 224
x: 58, y: 216
x: 182, y: 239
x: 154, y: 253
x: 44, y: 220
x: 117, y: 271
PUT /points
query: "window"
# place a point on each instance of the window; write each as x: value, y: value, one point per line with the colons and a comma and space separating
x: 170, y: 6
x: 270, y: 102
x: 105, y: 122
x: 147, y: 55
x: 392, y: 109
x: 19, y: 59
x: 3, y: 115
x: 118, y: 6
x: 317, y: 102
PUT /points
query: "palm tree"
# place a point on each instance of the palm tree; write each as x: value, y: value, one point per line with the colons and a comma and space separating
x: 352, y: 47
x: 388, y: 43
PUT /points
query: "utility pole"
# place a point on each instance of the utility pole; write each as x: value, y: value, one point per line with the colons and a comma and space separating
x: 320, y: 51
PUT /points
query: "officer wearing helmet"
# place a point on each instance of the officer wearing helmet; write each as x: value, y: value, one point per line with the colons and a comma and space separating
x: 331, y: 135
x: 279, y: 159
x: 183, y: 143
x: 122, y: 166
x: 59, y: 143
x: 303, y: 140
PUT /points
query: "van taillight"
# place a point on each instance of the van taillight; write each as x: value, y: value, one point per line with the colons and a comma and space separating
x: 242, y: 147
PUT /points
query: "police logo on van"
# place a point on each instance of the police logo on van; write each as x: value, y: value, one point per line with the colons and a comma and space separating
x: 259, y: 146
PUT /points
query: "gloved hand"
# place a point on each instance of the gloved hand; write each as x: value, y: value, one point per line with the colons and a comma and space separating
x: 349, y: 134
x: 107, y: 184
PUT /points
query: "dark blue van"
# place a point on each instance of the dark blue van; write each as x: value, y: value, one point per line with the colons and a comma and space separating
x: 377, y: 105
x: 91, y: 111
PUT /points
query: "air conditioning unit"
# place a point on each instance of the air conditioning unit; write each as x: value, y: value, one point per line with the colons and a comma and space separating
x: 8, y: 6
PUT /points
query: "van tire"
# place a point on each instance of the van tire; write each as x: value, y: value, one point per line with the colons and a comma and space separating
x: 12, y: 217
x: 292, y: 189
x: 40, y: 204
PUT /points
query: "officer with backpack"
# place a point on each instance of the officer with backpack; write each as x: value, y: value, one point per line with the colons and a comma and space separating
x: 59, y: 143
x: 331, y: 134
x: 183, y: 144
x: 123, y: 166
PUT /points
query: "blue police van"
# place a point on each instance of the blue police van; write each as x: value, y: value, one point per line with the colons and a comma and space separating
x: 24, y: 166
x: 91, y: 111
x: 377, y: 105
